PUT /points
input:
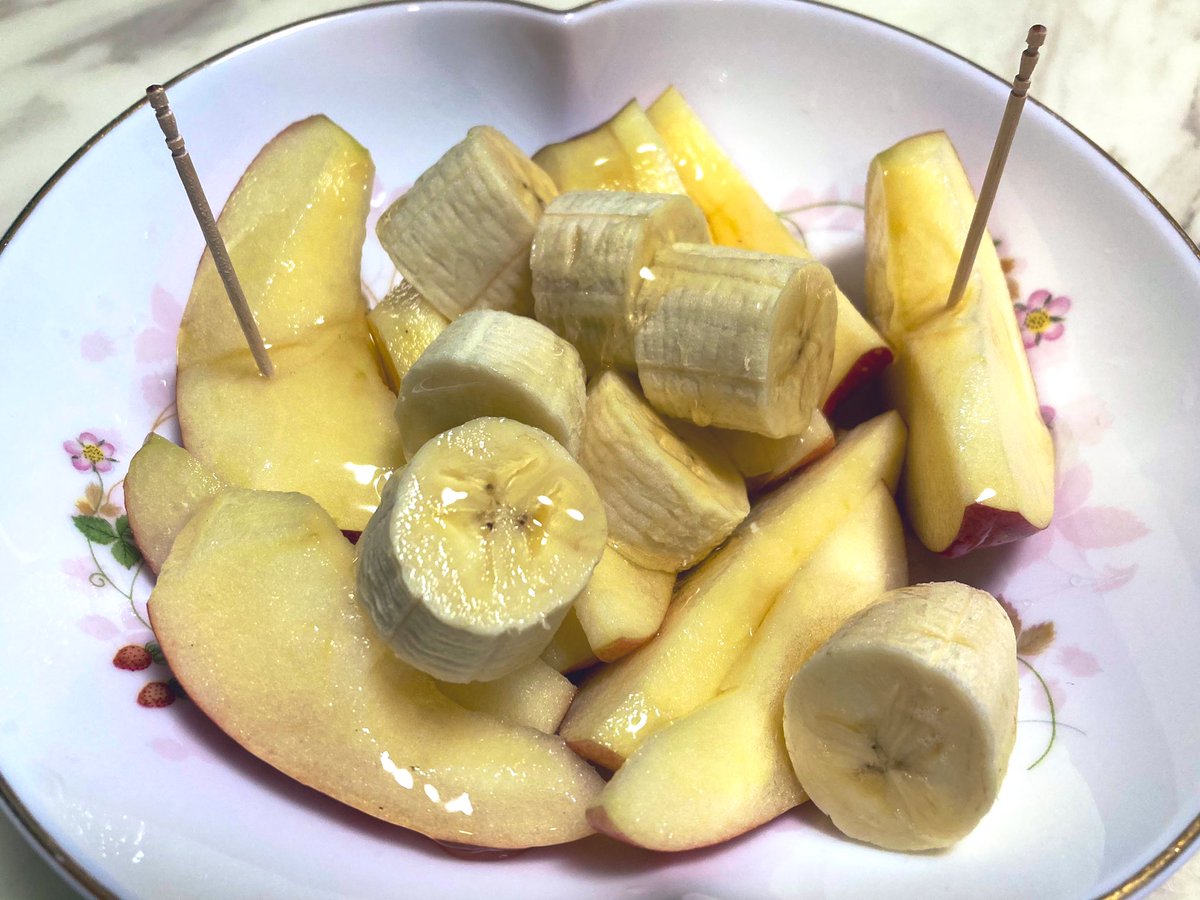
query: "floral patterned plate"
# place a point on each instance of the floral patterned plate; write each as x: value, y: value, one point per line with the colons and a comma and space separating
x: 136, y: 794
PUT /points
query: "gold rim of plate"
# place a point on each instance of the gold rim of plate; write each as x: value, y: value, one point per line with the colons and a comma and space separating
x: 76, y: 872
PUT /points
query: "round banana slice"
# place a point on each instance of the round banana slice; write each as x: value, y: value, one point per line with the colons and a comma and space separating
x: 478, y: 549
x: 492, y: 363
x: 462, y: 232
x: 591, y: 253
x: 668, y: 504
x: 901, y: 726
x: 736, y: 339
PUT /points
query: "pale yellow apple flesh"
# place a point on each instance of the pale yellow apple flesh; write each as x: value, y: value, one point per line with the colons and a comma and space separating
x: 622, y: 605
x: 534, y: 695
x: 623, y: 154
x: 569, y: 650
x: 717, y: 608
x: 255, y: 612
x: 294, y: 226
x: 165, y: 485
x: 402, y: 325
x: 762, y: 461
x: 724, y: 768
x: 739, y: 217
x: 980, y: 466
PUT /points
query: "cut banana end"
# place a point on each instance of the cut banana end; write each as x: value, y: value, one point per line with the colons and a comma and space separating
x: 462, y: 233
x: 736, y: 339
x: 402, y: 325
x: 623, y: 154
x: 591, y: 254
x: 478, y: 549
x: 492, y: 363
x: 667, y: 504
x: 901, y: 726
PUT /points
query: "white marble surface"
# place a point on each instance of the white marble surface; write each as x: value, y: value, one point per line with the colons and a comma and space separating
x: 1125, y: 72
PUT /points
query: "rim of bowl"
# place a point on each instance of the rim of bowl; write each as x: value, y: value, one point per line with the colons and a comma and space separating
x: 76, y: 873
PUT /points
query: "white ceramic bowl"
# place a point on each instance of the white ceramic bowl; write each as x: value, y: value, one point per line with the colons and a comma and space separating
x: 157, y: 802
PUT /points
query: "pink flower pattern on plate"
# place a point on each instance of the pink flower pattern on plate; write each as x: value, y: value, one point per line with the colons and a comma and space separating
x: 1041, y: 317
x: 90, y: 453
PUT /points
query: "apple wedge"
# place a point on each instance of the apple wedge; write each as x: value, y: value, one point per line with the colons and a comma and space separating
x: 739, y: 217
x: 623, y: 154
x: 256, y: 614
x: 622, y: 605
x: 402, y: 325
x: 165, y: 485
x: 724, y: 769
x: 294, y: 226
x: 763, y: 461
x: 980, y: 466
x: 720, y: 604
x: 535, y: 695
x: 569, y: 650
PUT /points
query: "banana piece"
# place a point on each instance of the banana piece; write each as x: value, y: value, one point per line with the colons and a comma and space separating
x: 763, y: 461
x: 402, y: 325
x: 493, y: 363
x: 590, y: 253
x: 736, y: 339
x: 901, y: 726
x: 739, y: 217
x: 623, y: 154
x: 478, y: 549
x: 667, y: 504
x: 462, y: 233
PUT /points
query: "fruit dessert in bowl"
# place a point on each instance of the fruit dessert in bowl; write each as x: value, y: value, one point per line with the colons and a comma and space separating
x: 626, y: 388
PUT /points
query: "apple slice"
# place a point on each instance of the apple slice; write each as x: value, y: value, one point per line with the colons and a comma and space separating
x: 623, y: 154
x: 980, y: 467
x: 534, y: 695
x: 402, y: 325
x: 763, y: 461
x: 720, y: 604
x: 569, y: 650
x: 165, y: 485
x: 724, y: 769
x: 739, y: 217
x: 622, y: 605
x: 256, y: 614
x: 294, y: 226
x: 322, y: 425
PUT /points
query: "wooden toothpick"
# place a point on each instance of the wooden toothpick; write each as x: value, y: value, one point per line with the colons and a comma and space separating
x: 208, y: 225
x: 1004, y: 139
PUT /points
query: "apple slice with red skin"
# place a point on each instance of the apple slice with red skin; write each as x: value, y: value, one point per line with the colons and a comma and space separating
x: 255, y: 612
x: 980, y: 463
x: 724, y: 769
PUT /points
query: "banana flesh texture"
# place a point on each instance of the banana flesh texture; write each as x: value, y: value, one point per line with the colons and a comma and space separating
x: 667, y: 504
x: 493, y: 363
x: 402, y: 325
x: 736, y: 339
x: 478, y: 549
x: 901, y: 726
x: 462, y: 233
x: 590, y: 253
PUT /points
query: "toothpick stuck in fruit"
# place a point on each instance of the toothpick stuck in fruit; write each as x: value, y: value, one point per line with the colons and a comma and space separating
x: 991, y: 180
x: 208, y: 225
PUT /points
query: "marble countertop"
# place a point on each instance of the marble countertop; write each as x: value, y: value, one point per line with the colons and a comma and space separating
x: 1126, y: 74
